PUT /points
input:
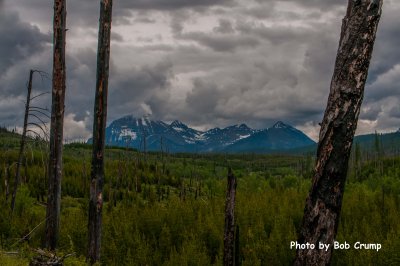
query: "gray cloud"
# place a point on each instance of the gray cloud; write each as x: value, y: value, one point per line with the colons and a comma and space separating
x: 395, y: 112
x: 221, y: 43
x: 386, y: 53
x: 21, y: 48
x: 261, y: 11
x: 371, y: 112
x: 81, y: 75
x: 317, y: 4
x: 116, y: 37
x: 208, y: 63
x: 203, y: 99
x: 276, y: 34
x: 144, y: 20
x: 132, y: 89
x: 18, y: 41
x: 172, y: 4
x: 225, y: 27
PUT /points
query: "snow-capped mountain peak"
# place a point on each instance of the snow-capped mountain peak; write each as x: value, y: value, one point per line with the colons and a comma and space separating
x: 280, y: 124
x: 178, y: 137
x: 178, y: 124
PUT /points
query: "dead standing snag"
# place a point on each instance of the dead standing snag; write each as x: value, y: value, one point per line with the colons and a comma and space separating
x: 323, y: 205
x: 56, y: 126
x: 99, y: 126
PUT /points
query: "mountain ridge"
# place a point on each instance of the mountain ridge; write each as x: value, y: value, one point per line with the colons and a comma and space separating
x: 155, y: 135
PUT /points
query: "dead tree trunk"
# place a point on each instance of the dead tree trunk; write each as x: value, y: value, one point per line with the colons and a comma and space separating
x: 56, y: 126
x: 237, y: 247
x: 323, y: 205
x: 23, y: 140
x: 99, y: 126
x: 229, y: 232
x: 7, y: 179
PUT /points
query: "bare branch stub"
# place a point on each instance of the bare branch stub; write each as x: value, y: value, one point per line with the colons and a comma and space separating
x: 39, y: 112
x: 39, y: 95
x: 39, y: 119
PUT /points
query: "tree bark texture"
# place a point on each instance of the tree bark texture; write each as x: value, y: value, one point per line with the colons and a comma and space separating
x: 99, y: 126
x: 23, y: 141
x: 323, y: 205
x: 56, y: 126
x: 229, y: 232
x: 7, y: 179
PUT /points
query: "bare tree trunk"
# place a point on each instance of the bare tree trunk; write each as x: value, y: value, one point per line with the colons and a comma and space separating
x: 229, y: 232
x: 23, y: 140
x: 56, y: 126
x: 323, y: 205
x: 99, y: 126
x: 7, y: 179
x: 237, y: 247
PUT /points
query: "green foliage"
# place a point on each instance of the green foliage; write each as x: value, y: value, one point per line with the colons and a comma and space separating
x: 163, y: 209
x: 12, y: 260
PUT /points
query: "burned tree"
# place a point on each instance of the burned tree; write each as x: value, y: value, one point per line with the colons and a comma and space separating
x: 29, y: 111
x: 56, y: 126
x: 324, y: 202
x: 23, y: 140
x: 7, y: 179
x: 229, y: 232
x: 99, y: 126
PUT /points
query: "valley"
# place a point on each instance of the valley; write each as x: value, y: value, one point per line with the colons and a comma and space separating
x: 168, y: 209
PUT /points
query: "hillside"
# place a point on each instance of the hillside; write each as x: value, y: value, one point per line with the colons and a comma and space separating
x: 167, y: 209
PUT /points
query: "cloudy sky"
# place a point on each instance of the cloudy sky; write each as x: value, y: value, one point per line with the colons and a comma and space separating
x: 205, y: 62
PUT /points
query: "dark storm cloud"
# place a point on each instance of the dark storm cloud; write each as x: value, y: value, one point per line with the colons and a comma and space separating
x: 394, y: 112
x: 221, y: 43
x: 144, y: 20
x: 386, y: 53
x: 255, y: 93
x: 225, y: 27
x: 132, y: 88
x: 208, y: 63
x: 80, y: 14
x: 318, y: 4
x: 18, y: 41
x: 172, y: 4
x: 81, y: 74
x: 386, y: 85
x: 203, y: 98
x: 260, y: 12
x: 259, y: 84
x: 21, y: 46
x: 117, y: 37
x: 276, y: 34
x: 85, y: 13
x: 178, y: 18
x: 383, y: 89
x: 371, y: 112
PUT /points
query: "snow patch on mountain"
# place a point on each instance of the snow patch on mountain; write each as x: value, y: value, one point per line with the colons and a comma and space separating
x: 127, y: 132
x: 244, y: 136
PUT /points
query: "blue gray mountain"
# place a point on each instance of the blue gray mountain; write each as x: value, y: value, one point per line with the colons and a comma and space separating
x: 146, y: 134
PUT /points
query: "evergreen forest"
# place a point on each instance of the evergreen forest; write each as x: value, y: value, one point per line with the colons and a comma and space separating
x: 168, y: 209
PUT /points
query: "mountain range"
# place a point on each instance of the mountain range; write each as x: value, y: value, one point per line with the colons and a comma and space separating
x: 146, y: 134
